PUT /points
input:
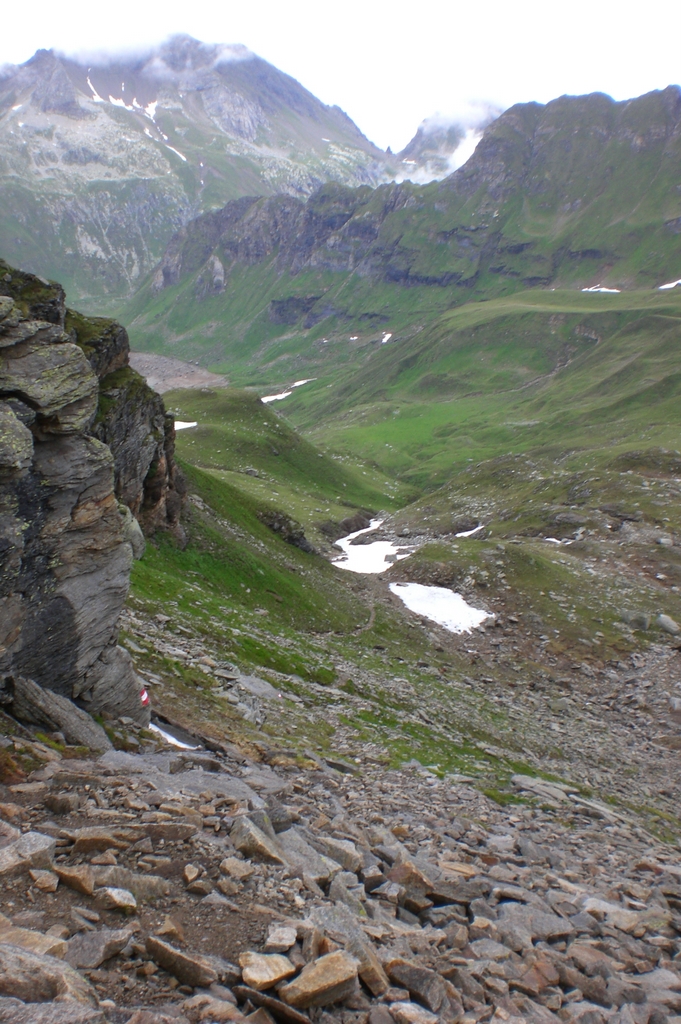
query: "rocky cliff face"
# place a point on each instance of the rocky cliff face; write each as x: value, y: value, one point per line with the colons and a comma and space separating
x: 578, y: 191
x: 85, y: 446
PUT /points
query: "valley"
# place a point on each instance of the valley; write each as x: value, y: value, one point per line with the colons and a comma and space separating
x: 376, y: 612
x: 571, y: 550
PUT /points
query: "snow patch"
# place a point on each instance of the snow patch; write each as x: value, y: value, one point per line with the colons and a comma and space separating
x: 177, y: 152
x: 275, y: 398
x: 662, y: 288
x: 440, y: 605
x: 171, y: 739
x: 150, y: 110
x: 369, y: 558
x: 601, y: 288
x: 95, y: 95
x: 469, y: 533
x: 184, y: 424
x: 386, y: 337
x: 284, y: 394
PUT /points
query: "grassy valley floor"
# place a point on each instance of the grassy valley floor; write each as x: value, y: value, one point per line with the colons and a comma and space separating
x: 567, y: 685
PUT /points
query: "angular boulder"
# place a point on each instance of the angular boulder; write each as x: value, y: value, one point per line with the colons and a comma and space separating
x: 30, y: 850
x: 39, y: 978
x: 330, y: 979
x: 265, y: 970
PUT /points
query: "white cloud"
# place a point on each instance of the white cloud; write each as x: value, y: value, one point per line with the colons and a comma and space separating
x: 386, y: 71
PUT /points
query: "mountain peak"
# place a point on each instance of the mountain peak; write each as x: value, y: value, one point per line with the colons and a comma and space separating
x: 171, y: 132
x: 184, y: 53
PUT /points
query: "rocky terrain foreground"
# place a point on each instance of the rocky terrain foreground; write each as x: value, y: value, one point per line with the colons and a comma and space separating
x: 193, y: 885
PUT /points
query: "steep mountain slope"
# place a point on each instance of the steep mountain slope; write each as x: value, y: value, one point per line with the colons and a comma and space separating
x: 101, y: 162
x: 579, y: 192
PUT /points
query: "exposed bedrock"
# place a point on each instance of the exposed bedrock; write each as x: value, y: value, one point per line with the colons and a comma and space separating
x: 82, y: 463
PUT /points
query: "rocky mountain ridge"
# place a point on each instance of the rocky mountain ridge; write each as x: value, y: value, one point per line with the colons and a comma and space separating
x: 104, y: 160
x: 577, y: 193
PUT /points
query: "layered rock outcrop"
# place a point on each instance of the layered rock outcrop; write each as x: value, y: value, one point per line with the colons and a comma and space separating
x: 85, y: 447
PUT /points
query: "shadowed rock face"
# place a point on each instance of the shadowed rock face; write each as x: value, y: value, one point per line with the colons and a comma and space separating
x: 71, y: 448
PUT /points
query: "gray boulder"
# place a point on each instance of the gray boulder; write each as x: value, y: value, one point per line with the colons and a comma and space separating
x: 31, y: 703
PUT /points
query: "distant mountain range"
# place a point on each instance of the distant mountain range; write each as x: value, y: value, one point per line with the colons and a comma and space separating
x: 582, y: 192
x: 100, y: 163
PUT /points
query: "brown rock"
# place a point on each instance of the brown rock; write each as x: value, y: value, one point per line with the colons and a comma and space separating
x: 34, y: 942
x: 407, y: 874
x: 170, y: 831
x: 590, y: 960
x: 411, y: 1013
x: 442, y: 891
x: 380, y: 1015
x: 227, y: 887
x: 46, y: 881
x: 200, y: 887
x: 171, y: 929
x: 343, y: 851
x: 253, y: 842
x: 457, y: 868
x: 143, y: 887
x: 190, y: 873
x: 280, y: 1011
x: 328, y: 980
x: 155, y: 1017
x: 80, y: 877
x: 235, y: 868
x: 91, y: 949
x: 12, y: 812
x: 280, y: 938
x: 370, y: 970
x: 39, y: 978
x: 260, y: 1016
x: 111, y: 898
x: 204, y: 1007
x: 106, y: 859
x: 30, y: 850
x: 457, y: 935
x: 96, y: 838
x: 264, y: 970
x: 15, y: 1011
x: 62, y: 803
x: 191, y: 968
x: 423, y: 984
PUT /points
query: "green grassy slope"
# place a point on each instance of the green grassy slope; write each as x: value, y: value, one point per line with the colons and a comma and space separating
x: 541, y: 371
x: 579, y: 192
x: 244, y: 443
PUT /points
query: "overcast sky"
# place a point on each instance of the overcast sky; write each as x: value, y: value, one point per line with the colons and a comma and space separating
x: 391, y: 65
